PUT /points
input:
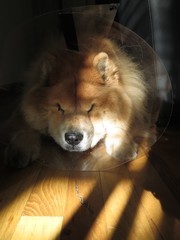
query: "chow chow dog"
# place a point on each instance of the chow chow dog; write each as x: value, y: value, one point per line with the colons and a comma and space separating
x: 79, y: 98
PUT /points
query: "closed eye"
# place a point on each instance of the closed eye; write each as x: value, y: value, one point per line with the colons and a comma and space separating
x: 59, y: 108
x: 91, y: 108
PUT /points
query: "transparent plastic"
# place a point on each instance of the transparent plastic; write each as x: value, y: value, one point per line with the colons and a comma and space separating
x: 70, y: 26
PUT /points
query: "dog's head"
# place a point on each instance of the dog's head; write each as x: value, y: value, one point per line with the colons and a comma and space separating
x: 75, y: 98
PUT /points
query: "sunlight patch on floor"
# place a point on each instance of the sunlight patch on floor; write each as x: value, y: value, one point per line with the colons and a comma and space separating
x: 116, y: 203
x: 38, y: 228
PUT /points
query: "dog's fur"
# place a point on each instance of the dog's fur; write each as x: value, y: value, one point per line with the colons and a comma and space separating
x: 80, y: 98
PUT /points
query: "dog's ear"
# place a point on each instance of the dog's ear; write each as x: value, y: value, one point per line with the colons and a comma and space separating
x: 105, y: 66
x: 48, y: 63
x: 101, y: 62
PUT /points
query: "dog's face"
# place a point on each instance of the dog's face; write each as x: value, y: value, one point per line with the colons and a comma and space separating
x: 74, y: 99
x: 74, y: 121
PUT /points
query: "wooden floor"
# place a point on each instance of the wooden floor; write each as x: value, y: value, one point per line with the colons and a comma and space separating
x: 136, y: 201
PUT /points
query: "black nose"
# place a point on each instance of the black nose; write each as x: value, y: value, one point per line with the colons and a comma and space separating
x: 73, y: 138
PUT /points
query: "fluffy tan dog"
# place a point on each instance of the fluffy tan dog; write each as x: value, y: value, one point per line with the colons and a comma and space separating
x: 81, y: 98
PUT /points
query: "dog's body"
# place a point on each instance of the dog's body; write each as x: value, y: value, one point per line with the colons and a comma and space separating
x: 80, y: 98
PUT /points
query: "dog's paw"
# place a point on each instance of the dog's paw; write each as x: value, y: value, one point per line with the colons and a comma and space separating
x: 22, y: 151
x: 17, y: 158
x: 122, y: 151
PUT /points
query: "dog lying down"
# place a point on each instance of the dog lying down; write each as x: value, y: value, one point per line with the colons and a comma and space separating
x: 80, y: 99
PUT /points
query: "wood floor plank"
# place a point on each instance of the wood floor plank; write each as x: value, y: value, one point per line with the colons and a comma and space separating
x: 125, y: 216
x: 84, y: 213
x: 38, y: 228
x: 14, y: 193
x: 130, y: 202
x: 160, y: 206
x: 49, y: 195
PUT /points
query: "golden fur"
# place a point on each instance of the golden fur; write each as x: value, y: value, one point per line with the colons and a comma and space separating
x: 80, y: 98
